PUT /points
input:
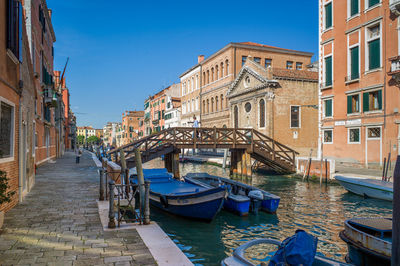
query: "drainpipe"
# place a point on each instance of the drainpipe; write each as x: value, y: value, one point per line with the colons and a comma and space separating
x: 384, y: 86
x: 20, y: 151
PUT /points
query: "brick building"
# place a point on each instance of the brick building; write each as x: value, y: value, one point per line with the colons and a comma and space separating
x: 130, y: 126
x: 155, y: 107
x: 359, y: 88
x: 41, y: 37
x: 280, y: 103
x: 10, y: 93
x: 219, y: 70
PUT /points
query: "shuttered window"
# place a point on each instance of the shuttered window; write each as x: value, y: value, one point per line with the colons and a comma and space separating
x: 354, y: 63
x: 372, y: 101
x: 354, y: 7
x: 328, y: 71
x: 328, y: 108
x: 328, y: 16
x: 371, y: 3
x: 374, y: 52
x: 353, y: 104
x: 14, y: 28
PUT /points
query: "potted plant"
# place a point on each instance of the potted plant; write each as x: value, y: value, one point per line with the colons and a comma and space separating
x: 4, y: 195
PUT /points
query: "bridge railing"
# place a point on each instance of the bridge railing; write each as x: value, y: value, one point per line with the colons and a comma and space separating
x: 209, y: 138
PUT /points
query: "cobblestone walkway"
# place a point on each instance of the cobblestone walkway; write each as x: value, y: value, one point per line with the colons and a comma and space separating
x: 58, y: 223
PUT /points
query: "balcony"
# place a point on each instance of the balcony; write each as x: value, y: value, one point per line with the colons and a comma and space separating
x: 395, y: 69
x: 394, y: 6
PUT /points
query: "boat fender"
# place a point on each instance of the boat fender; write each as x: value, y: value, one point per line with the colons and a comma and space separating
x: 256, y: 194
x: 164, y: 201
x: 235, y: 189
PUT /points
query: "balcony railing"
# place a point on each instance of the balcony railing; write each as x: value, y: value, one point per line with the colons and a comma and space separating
x: 394, y: 6
x: 395, y: 65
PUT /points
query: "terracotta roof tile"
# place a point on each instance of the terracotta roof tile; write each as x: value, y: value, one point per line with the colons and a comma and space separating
x: 297, y: 74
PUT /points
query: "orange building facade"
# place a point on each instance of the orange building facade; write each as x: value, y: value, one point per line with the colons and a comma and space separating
x: 130, y: 126
x: 359, y: 95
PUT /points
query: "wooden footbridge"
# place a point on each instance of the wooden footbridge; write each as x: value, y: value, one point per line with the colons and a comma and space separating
x: 244, y: 144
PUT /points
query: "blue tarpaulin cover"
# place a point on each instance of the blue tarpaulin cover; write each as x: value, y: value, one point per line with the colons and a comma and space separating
x: 299, y: 249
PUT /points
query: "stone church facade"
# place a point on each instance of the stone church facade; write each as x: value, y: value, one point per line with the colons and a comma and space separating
x: 280, y: 103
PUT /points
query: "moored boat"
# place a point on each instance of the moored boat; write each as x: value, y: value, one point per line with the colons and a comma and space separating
x: 369, y: 240
x: 239, y: 258
x: 371, y: 188
x: 242, y: 198
x: 182, y: 198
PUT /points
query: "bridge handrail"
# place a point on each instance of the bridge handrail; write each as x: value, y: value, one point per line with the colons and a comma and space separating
x: 211, y: 136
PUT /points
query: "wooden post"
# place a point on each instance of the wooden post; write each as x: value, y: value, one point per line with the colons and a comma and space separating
x: 383, y: 171
x: 139, y: 172
x: 146, y: 219
x: 225, y: 158
x: 111, y: 214
x: 326, y: 171
x: 248, y: 166
x: 175, y: 164
x: 127, y: 185
x: 308, y: 170
x: 396, y: 215
x: 101, y: 171
x: 387, y: 167
x: 233, y: 167
x: 307, y: 165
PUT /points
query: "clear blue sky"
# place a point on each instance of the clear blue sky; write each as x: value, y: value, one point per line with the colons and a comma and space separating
x: 123, y: 51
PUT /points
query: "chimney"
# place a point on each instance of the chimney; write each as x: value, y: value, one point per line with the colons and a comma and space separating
x: 200, y: 58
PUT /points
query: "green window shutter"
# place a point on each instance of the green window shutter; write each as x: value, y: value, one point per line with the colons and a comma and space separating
x: 373, y: 2
x: 328, y: 16
x: 354, y: 7
x: 365, y: 101
x: 349, y: 104
x: 380, y: 99
x: 328, y: 71
x: 328, y: 108
x: 374, y: 54
x: 354, y: 54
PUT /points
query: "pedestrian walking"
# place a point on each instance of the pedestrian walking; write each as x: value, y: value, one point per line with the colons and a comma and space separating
x: 196, y: 124
x: 78, y: 154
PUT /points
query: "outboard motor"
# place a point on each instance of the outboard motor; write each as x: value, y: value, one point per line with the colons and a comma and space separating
x: 256, y: 198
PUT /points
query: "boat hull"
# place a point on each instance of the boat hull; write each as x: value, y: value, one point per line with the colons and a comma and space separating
x: 200, y: 206
x: 269, y: 203
x: 363, y: 188
x: 366, y: 248
x: 241, y: 208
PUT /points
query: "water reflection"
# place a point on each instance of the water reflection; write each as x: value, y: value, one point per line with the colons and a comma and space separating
x: 316, y: 209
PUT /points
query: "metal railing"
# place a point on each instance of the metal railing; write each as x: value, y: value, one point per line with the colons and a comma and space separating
x: 122, y: 200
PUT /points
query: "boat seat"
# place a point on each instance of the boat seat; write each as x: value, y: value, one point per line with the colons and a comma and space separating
x: 379, y: 225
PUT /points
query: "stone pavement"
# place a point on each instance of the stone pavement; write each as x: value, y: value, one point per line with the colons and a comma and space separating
x: 58, y: 222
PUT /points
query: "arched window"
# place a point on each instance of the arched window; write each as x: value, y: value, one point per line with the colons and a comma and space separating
x: 208, y: 76
x: 216, y: 72
x: 204, y: 78
x: 222, y: 102
x: 204, y: 106
x: 192, y: 87
x: 235, y: 117
x: 212, y: 74
x: 262, y: 113
x: 222, y: 69
x: 208, y: 106
x: 197, y: 82
x: 216, y: 103
x: 212, y: 104
x: 227, y: 67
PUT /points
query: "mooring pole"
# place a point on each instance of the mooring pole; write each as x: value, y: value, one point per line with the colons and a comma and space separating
x: 396, y: 215
x: 383, y: 171
x: 147, y: 205
x: 101, y: 171
x: 326, y: 171
x: 111, y: 214
x: 225, y: 158
x: 139, y: 172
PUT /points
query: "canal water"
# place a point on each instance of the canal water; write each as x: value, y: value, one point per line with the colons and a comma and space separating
x: 318, y: 210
